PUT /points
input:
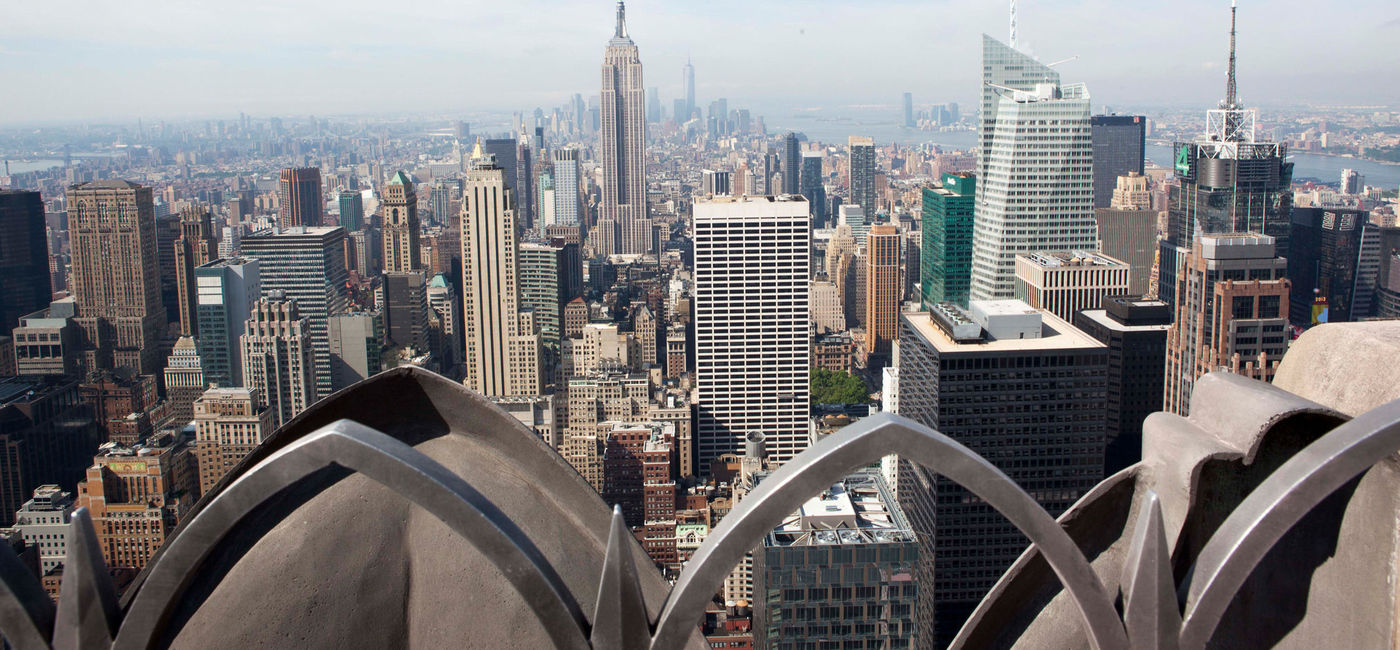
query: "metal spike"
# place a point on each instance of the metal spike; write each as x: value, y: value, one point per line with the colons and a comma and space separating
x: 1150, y: 608
x: 87, y: 602
x: 26, y: 612
x: 620, y: 618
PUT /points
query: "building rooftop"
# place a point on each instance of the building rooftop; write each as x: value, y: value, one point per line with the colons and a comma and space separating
x: 1055, y: 334
x: 1052, y: 259
x: 857, y: 510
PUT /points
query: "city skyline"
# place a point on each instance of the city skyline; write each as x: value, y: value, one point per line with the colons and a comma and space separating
x: 201, y: 78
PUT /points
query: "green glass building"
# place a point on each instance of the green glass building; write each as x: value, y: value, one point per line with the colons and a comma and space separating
x: 946, y: 272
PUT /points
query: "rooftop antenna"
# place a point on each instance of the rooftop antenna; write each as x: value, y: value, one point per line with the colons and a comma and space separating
x: 621, y: 21
x: 1013, y: 24
x: 1230, y: 76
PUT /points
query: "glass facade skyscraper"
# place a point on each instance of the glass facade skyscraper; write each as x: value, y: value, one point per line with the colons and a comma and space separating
x: 1120, y: 143
x: 945, y: 274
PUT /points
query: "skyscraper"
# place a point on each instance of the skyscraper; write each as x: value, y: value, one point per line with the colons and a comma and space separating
x: 1135, y: 332
x: 751, y: 336
x: 195, y: 247
x: 908, y: 109
x: 1128, y: 231
x: 352, y: 210
x: 623, y: 144
x: 1231, y: 181
x: 112, y: 230
x: 1004, y: 66
x: 490, y: 279
x: 946, y: 273
x: 400, y: 231
x: 277, y: 357
x: 810, y: 185
x: 1231, y: 312
x: 299, y: 197
x: 791, y: 153
x: 225, y: 291
x: 184, y: 380
x: 1120, y: 144
x: 861, y: 175
x: 566, y: 201
x: 1065, y: 283
x: 24, y: 258
x: 1334, y: 256
x: 308, y: 266
x: 229, y: 424
x: 688, y: 79
x: 715, y: 182
x: 882, y: 292
x: 1037, y: 190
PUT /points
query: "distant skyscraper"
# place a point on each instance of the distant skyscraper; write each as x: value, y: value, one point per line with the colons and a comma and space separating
x: 1231, y: 308
x: 882, y: 291
x: 277, y: 358
x: 752, y: 364
x: 1120, y: 147
x: 946, y: 258
x: 654, y: 106
x: 490, y: 279
x: 1128, y: 231
x: 623, y: 145
x: 1334, y: 260
x: 505, y: 151
x: 1004, y: 66
x: 810, y: 185
x: 688, y: 78
x: 1037, y: 192
x: 307, y: 265
x: 24, y: 257
x: 714, y: 183
x: 352, y: 210
x: 1231, y: 181
x: 908, y: 109
x: 406, y: 310
x: 111, y: 227
x: 196, y: 247
x: 357, y: 343
x: 566, y: 173
x: 444, y: 193
x: 861, y: 175
x: 400, y: 231
x: 1352, y: 182
x: 225, y: 292
x: 791, y: 153
x: 299, y: 197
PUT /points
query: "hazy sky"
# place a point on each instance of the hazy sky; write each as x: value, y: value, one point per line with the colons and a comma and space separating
x: 98, y: 59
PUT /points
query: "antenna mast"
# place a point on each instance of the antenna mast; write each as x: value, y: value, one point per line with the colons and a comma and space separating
x: 1013, y: 24
x: 1229, y: 76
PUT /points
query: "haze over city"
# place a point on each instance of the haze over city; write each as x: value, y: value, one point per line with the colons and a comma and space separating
x: 211, y: 59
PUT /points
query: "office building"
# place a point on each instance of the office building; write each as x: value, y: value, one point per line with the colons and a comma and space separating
x: 882, y: 292
x: 714, y: 183
x: 946, y: 229
x: 406, y: 312
x: 1065, y: 283
x: 688, y: 79
x: 544, y: 211
x: 352, y: 210
x: 791, y: 153
x: 623, y: 146
x: 400, y: 230
x: 167, y: 232
x: 1037, y: 190
x: 195, y: 247
x: 1120, y: 147
x: 47, y: 434
x: 357, y: 344
x: 828, y: 312
x: 1135, y: 331
x: 1004, y: 66
x: 1334, y: 260
x: 184, y: 381
x: 1352, y: 183
x: 307, y: 265
x: 24, y: 258
x: 46, y: 341
x: 908, y: 110
x: 299, y: 197
x: 447, y: 323
x: 1230, y: 180
x: 1128, y: 231
x: 506, y: 152
x: 859, y: 221
x: 277, y: 357
x: 228, y: 424
x: 811, y: 185
x: 225, y: 292
x: 566, y: 188
x: 841, y: 569
x: 752, y: 258
x: 116, y: 283
x: 1231, y: 313
x: 43, y: 523
x: 137, y: 495
x: 974, y: 375
x: 861, y: 174
x: 490, y: 282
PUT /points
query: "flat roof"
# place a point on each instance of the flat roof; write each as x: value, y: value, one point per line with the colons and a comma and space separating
x: 1056, y: 334
x: 1071, y: 258
x: 859, y: 509
x: 1101, y: 317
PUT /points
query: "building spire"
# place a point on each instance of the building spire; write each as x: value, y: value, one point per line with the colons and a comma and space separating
x: 1229, y: 76
x: 1013, y: 24
x: 621, y: 21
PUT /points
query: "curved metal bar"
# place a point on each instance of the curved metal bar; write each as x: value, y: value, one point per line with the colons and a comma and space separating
x: 26, y: 612
x: 391, y: 463
x: 1275, y: 507
x: 831, y: 459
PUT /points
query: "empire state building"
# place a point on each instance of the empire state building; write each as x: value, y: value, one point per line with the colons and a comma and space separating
x: 624, y: 226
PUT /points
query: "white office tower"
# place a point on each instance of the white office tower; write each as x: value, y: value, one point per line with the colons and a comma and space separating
x: 751, y: 311
x: 1036, y: 192
x: 566, y: 203
x: 622, y: 147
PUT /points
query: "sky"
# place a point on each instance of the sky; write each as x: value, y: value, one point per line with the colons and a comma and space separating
x: 97, y: 60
